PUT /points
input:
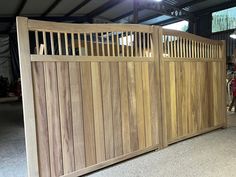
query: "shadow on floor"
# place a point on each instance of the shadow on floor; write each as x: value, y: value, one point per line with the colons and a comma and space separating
x: 12, y: 142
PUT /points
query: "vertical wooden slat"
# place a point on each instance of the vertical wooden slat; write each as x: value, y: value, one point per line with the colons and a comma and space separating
x: 66, y: 43
x: 85, y: 44
x: 108, y: 45
x: 184, y: 48
x: 132, y: 106
x: 52, y: 43
x: 127, y: 43
x: 116, y: 109
x: 73, y: 43
x: 41, y: 119
x: 124, y: 107
x: 97, y: 45
x: 136, y: 43
x: 148, y: 44
x: 65, y: 116
x: 36, y: 41
x: 98, y: 112
x: 140, y: 106
x: 113, y: 44
x: 175, y: 41
x: 140, y: 45
x: 77, y: 114
x: 90, y: 152
x: 144, y: 44
x: 122, y: 40
x: 187, y: 48
x: 103, y: 50
x: 45, y: 43
x: 117, y: 44
x: 168, y: 46
x: 132, y: 44
x: 59, y: 43
x: 107, y: 109
x: 79, y: 45
x: 91, y: 44
x: 53, y: 116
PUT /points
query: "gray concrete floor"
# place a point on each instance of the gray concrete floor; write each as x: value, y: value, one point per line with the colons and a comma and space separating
x: 209, y: 155
x: 12, y: 142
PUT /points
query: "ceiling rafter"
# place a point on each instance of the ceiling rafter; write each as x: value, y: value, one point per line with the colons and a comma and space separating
x: 104, y: 7
x: 123, y: 16
x: 190, y: 3
x: 167, y: 9
x: 51, y: 7
x: 184, y: 5
x: 82, y: 4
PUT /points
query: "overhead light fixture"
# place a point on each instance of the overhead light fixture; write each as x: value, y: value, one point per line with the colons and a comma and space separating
x: 158, y: 0
x: 233, y: 35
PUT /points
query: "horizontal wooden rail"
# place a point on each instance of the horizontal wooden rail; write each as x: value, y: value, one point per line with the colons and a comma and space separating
x: 192, y: 59
x: 36, y: 25
x: 111, y: 161
x: 88, y: 58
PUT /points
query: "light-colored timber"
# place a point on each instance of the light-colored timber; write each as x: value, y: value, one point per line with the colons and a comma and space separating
x: 98, y: 94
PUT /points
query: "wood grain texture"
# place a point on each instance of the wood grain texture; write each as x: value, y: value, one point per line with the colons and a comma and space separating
x: 53, y: 115
x: 116, y: 109
x: 87, y: 94
x: 107, y: 109
x: 124, y: 107
x: 98, y: 112
x: 41, y: 119
x: 65, y: 116
x: 77, y: 114
x: 133, y: 107
x: 140, y: 107
x: 86, y: 112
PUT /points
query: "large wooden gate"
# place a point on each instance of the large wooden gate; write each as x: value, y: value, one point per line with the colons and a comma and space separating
x: 94, y: 95
x: 193, y: 85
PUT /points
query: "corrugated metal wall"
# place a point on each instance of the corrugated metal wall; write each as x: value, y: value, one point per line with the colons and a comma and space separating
x: 230, y: 43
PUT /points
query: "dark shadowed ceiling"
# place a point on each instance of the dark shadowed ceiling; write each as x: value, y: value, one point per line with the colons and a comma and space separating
x: 105, y: 11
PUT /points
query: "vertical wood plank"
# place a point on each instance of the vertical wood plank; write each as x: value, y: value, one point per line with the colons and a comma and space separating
x: 140, y: 106
x: 66, y: 43
x: 132, y: 107
x: 41, y: 119
x: 59, y: 43
x: 107, y: 109
x: 77, y: 115
x: 65, y: 116
x: 98, y: 112
x: 87, y: 93
x: 116, y: 109
x: 146, y: 99
x: 53, y: 115
x: 154, y: 103
x: 124, y: 107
